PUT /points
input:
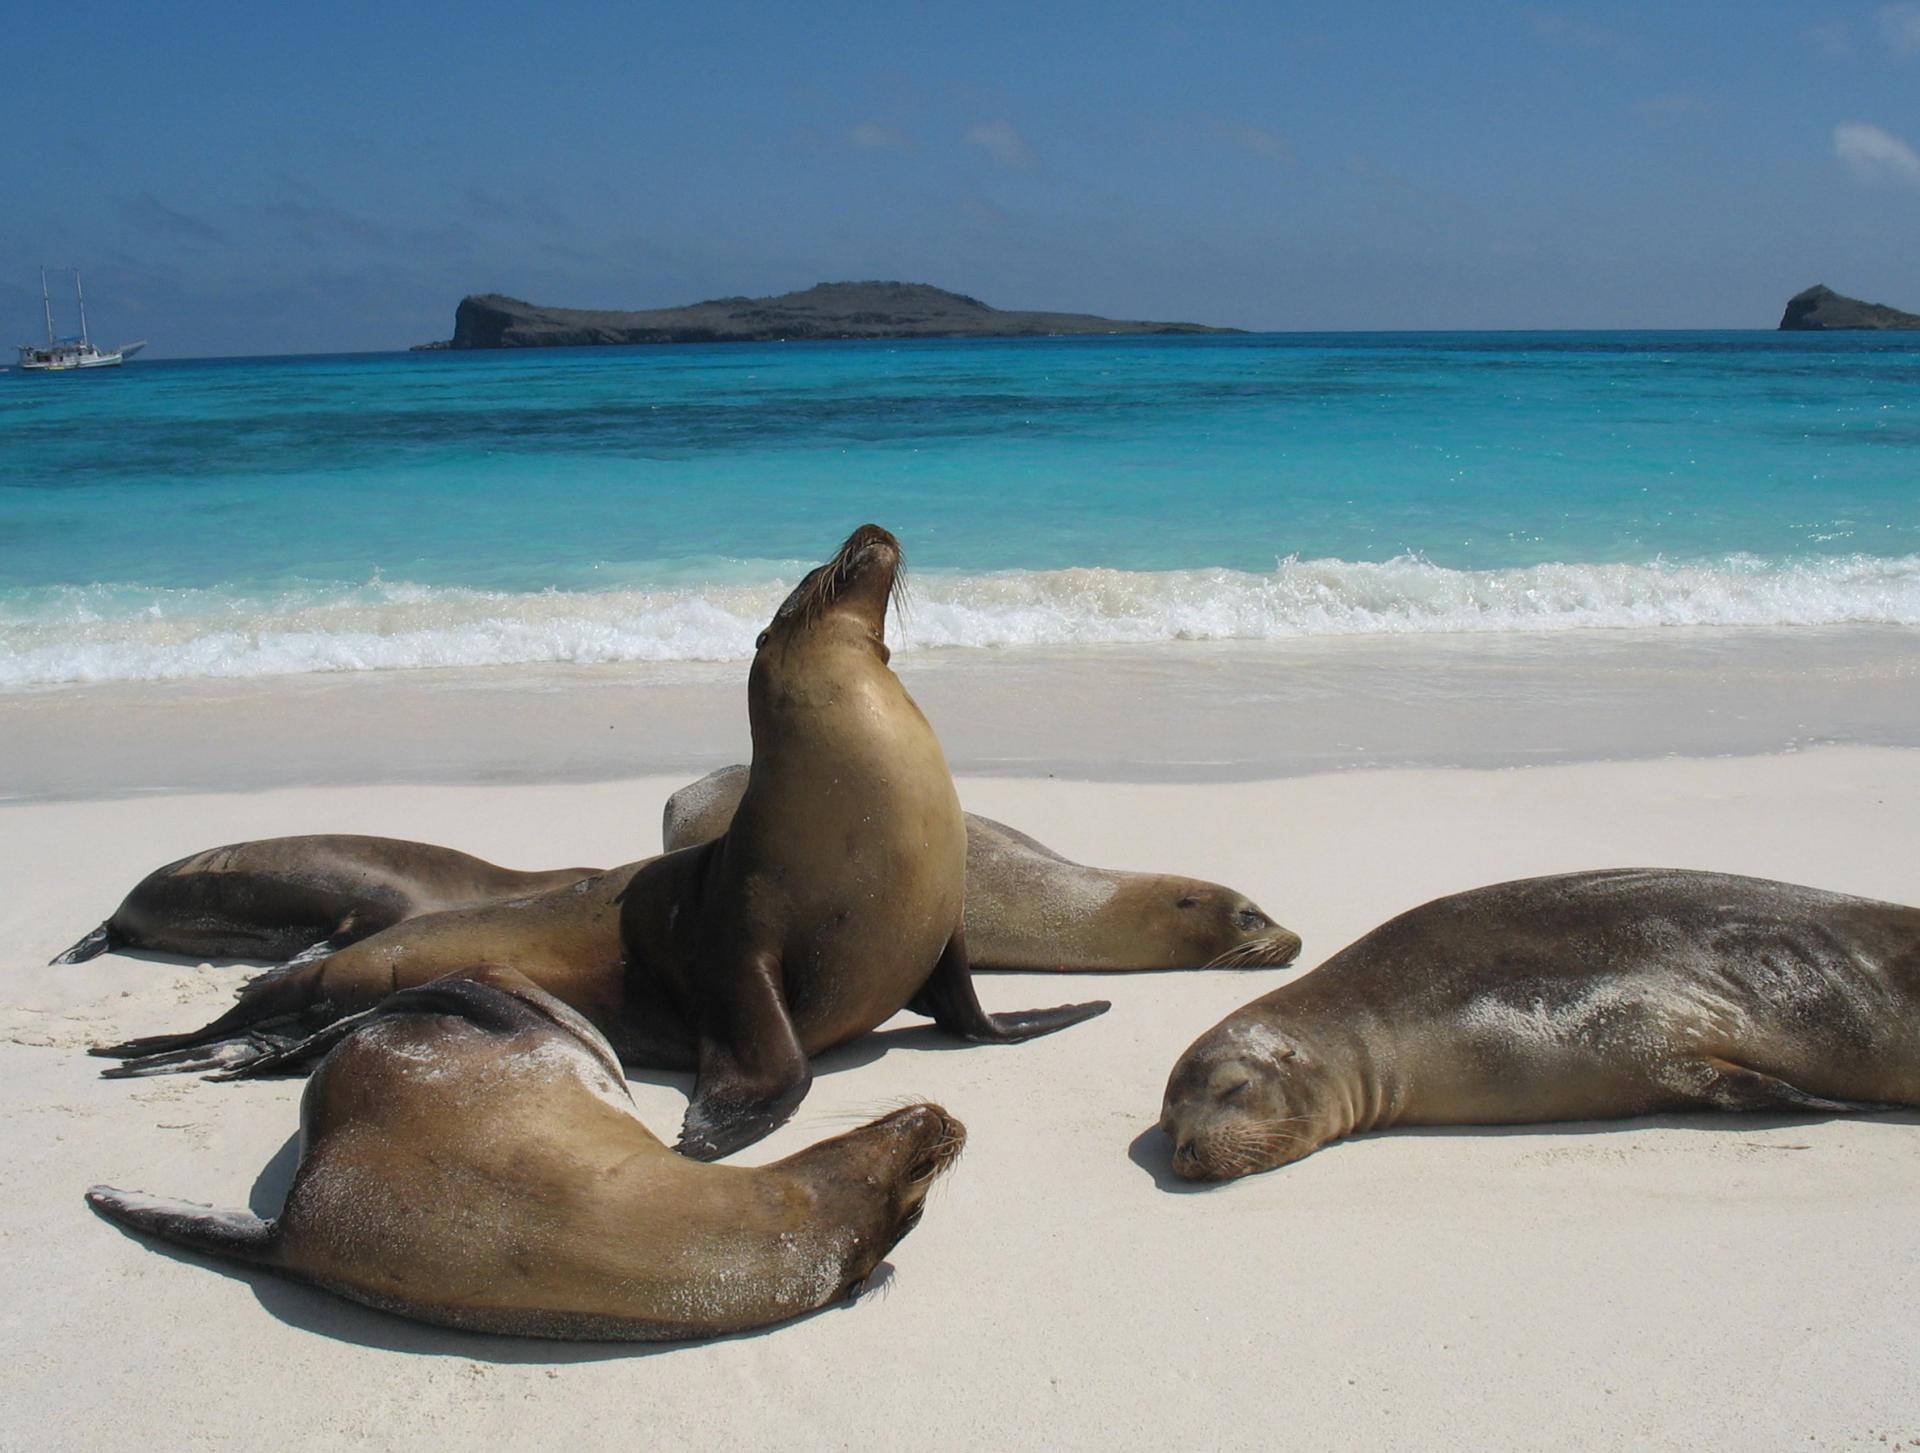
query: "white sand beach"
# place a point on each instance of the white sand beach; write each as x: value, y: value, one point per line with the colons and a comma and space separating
x: 1720, y: 1282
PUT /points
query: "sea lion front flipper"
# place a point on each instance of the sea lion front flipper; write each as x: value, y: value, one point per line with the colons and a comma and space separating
x: 1735, y: 1087
x: 948, y: 999
x: 753, y: 1073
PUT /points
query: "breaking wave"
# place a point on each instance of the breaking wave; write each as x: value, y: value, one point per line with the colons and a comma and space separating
x: 107, y: 633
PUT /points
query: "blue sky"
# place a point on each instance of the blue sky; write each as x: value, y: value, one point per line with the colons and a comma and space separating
x: 260, y: 179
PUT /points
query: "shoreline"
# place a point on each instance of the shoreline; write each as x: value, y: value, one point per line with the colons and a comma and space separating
x: 1115, y: 713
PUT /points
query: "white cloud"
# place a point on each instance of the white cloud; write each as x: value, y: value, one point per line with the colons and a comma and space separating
x: 1256, y: 139
x: 1004, y: 144
x: 1874, y: 154
x: 1677, y: 103
x: 1835, y: 39
x: 1561, y: 28
x: 876, y: 136
x: 1900, y: 26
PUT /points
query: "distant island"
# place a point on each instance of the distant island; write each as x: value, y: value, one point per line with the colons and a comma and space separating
x: 827, y: 311
x: 1821, y: 308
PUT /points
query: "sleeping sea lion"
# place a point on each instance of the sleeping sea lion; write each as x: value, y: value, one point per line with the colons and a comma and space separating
x: 1030, y: 909
x: 273, y: 897
x: 1579, y: 997
x: 833, y: 902
x: 565, y: 940
x: 470, y: 1156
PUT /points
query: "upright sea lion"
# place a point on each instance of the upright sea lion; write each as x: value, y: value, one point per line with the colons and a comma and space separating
x: 470, y: 1156
x: 1579, y: 997
x: 833, y: 902
x: 273, y: 897
x: 1030, y: 909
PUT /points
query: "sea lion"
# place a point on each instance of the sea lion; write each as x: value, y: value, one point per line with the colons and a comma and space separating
x: 1030, y: 909
x: 831, y: 903
x: 565, y: 940
x: 273, y: 897
x: 470, y: 1156
x: 1579, y: 997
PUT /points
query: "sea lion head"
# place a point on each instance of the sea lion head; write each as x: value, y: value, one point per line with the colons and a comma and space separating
x: 1205, y: 924
x: 1247, y: 1097
x: 844, y: 600
x: 872, y: 1183
x: 922, y: 1142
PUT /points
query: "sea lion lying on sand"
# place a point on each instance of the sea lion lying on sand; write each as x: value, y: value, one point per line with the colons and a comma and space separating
x: 831, y: 903
x: 1030, y: 909
x: 1578, y: 997
x: 566, y: 941
x: 1027, y: 907
x: 274, y: 897
x: 470, y: 1156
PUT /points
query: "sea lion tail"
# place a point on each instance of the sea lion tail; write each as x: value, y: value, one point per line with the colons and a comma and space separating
x: 90, y: 947
x: 236, y: 1235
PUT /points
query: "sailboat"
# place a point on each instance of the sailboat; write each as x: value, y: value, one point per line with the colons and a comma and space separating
x: 58, y: 355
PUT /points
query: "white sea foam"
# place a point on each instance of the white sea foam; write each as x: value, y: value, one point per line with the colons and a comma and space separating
x: 124, y: 634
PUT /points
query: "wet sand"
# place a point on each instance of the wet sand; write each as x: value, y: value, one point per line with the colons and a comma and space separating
x: 1192, y: 712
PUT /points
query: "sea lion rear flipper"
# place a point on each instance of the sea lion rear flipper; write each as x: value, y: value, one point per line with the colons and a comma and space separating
x: 1735, y: 1087
x: 238, y: 1235
x: 948, y: 999
x: 231, y: 1058
x: 90, y: 947
x: 283, y: 1054
x: 753, y: 1072
x: 275, y: 1009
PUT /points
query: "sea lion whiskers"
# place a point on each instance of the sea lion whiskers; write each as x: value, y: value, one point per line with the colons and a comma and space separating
x: 939, y: 1157
x: 1233, y: 1150
x: 1274, y: 951
x: 868, y: 1110
x: 1238, y: 1152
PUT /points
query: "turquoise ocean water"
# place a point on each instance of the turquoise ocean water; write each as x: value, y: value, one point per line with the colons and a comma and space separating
x: 263, y: 516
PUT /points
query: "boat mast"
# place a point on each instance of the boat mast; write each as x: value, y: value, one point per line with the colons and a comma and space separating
x: 84, y: 343
x: 46, y: 306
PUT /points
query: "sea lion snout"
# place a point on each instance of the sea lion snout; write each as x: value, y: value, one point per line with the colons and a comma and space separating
x: 869, y: 540
x: 866, y: 575
x: 882, y: 1172
x: 933, y: 1140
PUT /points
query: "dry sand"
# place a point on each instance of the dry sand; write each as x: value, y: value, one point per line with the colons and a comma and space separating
x: 1713, y: 1282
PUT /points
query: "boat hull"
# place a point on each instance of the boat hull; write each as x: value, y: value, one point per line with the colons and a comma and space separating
x: 73, y: 362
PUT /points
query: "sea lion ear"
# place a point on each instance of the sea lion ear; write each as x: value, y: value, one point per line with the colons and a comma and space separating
x: 760, y: 641
x: 1288, y: 1054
